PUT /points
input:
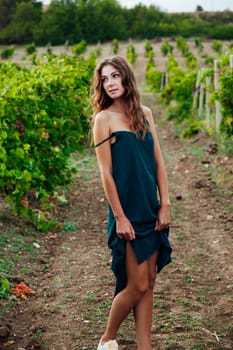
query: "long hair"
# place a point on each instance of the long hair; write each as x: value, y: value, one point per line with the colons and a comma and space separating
x: 131, y: 97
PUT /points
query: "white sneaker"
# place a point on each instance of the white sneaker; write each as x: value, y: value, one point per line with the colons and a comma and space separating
x: 109, y: 345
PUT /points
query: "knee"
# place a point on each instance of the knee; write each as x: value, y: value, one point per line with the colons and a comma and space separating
x: 151, y: 280
x: 145, y: 284
x: 142, y: 287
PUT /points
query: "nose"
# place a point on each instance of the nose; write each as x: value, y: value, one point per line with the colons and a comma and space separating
x: 110, y: 81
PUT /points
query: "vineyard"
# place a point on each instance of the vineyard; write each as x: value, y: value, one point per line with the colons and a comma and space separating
x: 52, y: 205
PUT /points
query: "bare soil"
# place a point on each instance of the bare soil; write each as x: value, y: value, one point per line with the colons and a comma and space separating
x: 193, y: 297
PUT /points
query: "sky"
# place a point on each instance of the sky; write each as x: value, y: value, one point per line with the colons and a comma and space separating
x: 179, y: 5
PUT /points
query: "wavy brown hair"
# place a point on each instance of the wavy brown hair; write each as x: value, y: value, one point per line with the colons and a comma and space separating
x: 131, y: 98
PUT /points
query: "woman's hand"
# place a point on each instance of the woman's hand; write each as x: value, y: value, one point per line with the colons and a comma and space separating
x: 163, y: 220
x: 124, y: 229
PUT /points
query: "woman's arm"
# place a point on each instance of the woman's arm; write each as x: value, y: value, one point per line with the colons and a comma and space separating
x: 101, y: 131
x: 164, y: 212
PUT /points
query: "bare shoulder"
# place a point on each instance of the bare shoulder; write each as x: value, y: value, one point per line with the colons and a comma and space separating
x: 146, y: 109
x: 101, y: 126
x: 101, y: 117
x: 148, y: 114
x: 101, y: 120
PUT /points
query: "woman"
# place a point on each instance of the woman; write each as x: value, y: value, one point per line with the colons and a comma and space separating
x: 132, y: 172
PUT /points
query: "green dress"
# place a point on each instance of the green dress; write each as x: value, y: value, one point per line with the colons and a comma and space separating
x: 134, y: 172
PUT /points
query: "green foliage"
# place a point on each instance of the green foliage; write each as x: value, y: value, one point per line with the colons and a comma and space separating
x: 98, y: 52
x: 171, y: 63
x: 193, y: 128
x: 153, y: 76
x: 131, y: 54
x: 24, y: 21
x: 8, y: 8
x: 222, y: 31
x: 49, y: 49
x: 191, y: 60
x: 208, y: 60
x: 69, y: 226
x: 225, y: 96
x: 42, y: 121
x: 5, y: 288
x: 184, y: 86
x: 149, y: 51
x: 115, y: 46
x: 225, y: 143
x: 30, y: 48
x: 199, y: 8
x: 143, y: 22
x: 182, y: 45
x: 217, y: 46
x: 7, y: 52
x: 198, y: 43
x: 180, y: 87
x: 166, y: 48
x: 79, y: 48
x: 184, y: 48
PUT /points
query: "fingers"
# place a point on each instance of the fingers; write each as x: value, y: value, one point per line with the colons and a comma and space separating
x: 128, y: 235
x: 125, y: 229
x: 159, y: 226
x: 163, y: 220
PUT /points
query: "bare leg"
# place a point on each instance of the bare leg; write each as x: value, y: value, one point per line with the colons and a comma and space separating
x: 137, y: 286
x: 143, y: 309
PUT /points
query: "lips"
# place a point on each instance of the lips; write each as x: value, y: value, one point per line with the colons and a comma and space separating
x: 113, y: 91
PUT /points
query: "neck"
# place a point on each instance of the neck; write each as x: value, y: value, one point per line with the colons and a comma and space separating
x: 118, y: 106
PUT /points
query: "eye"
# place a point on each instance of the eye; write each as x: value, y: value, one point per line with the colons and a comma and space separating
x: 116, y: 75
x: 104, y: 79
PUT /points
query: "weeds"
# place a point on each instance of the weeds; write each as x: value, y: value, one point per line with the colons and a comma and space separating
x: 5, y: 288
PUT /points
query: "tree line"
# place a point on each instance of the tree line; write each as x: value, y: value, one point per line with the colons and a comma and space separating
x: 70, y: 21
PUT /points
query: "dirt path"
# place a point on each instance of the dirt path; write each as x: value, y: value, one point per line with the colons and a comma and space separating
x: 193, y: 303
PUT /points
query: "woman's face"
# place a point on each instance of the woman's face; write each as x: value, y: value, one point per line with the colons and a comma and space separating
x: 112, y: 82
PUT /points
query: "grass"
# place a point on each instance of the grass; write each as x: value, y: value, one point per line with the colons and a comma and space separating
x: 196, y: 151
x: 69, y: 227
x: 85, y: 161
x: 225, y: 144
x: 14, y: 248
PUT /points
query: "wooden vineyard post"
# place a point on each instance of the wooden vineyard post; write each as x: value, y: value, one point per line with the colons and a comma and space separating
x: 201, y: 97
x: 163, y: 81
x: 231, y: 61
x: 195, y: 96
x: 166, y: 78
x: 207, y: 98
x: 216, y: 87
